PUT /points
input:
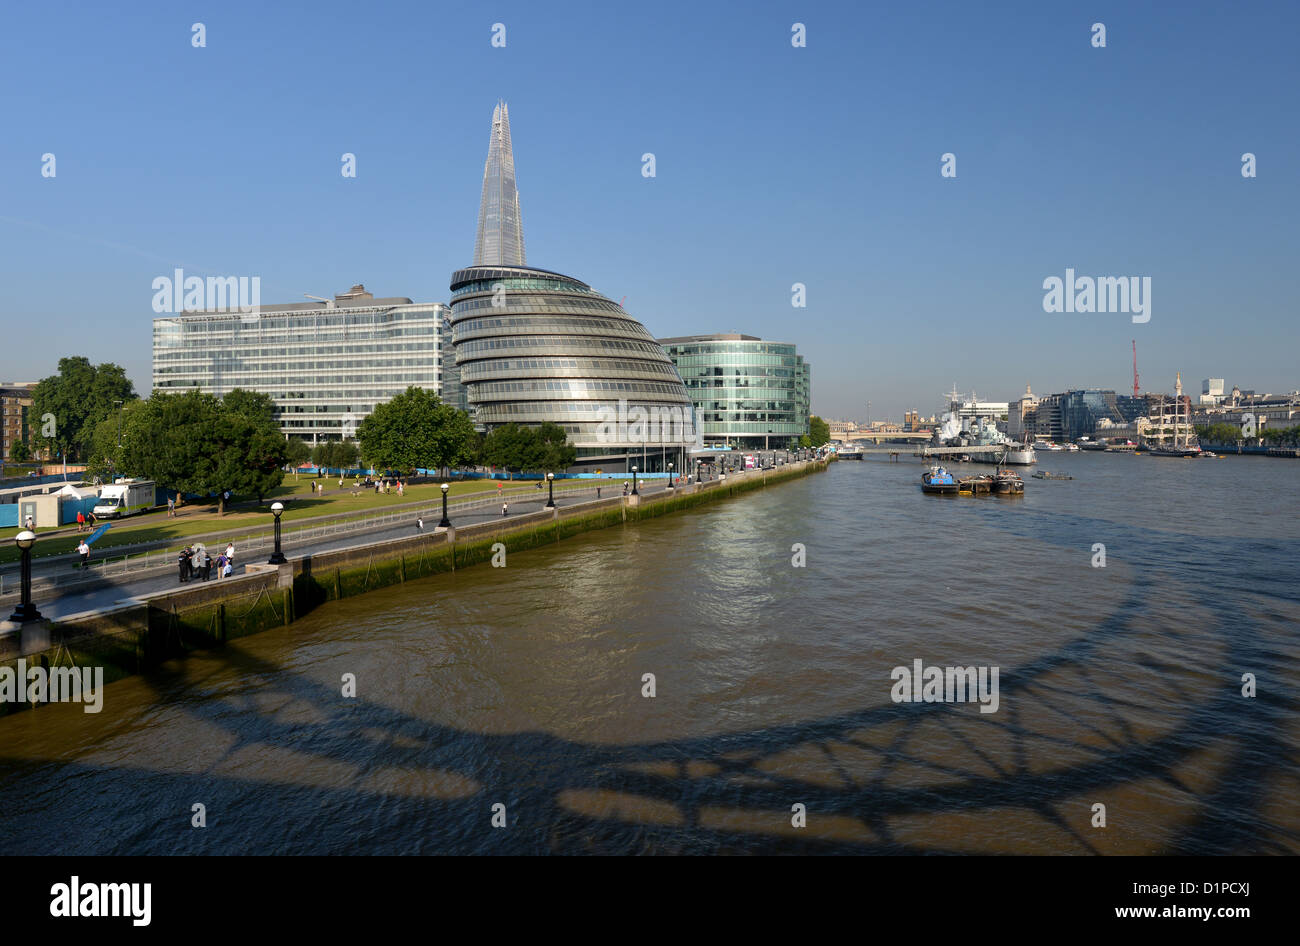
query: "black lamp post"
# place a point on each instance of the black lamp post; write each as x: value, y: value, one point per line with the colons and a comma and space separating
x: 26, y: 611
x: 445, y: 523
x: 277, y: 557
x: 670, y: 476
x: 550, y: 490
x: 634, y: 492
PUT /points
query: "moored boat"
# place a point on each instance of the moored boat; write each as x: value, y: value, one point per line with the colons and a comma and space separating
x: 938, y: 480
x: 1008, y: 482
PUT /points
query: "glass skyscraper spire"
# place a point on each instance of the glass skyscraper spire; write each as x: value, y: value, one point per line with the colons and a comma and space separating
x: 500, y: 240
x: 535, y: 346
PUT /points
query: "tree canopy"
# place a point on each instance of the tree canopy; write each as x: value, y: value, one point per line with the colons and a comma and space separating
x: 335, y: 455
x: 416, y: 430
x: 195, y: 443
x: 819, y: 432
x: 514, y: 447
x: 78, y: 398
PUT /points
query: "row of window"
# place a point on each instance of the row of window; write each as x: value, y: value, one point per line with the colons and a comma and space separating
x: 578, y: 325
x: 522, y: 282
x: 533, y: 303
x: 577, y: 387
x: 553, y: 341
x: 600, y: 366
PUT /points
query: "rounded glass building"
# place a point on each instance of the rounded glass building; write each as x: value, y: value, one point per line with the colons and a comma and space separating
x: 748, y: 392
x: 535, y: 346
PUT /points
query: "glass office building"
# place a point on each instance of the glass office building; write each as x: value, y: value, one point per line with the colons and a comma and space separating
x: 747, y: 392
x: 324, y: 364
x: 535, y: 346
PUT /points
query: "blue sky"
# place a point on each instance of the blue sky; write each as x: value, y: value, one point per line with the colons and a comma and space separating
x: 775, y: 165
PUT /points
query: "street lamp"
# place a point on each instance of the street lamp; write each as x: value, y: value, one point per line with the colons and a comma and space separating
x: 634, y: 492
x: 670, y: 476
x: 445, y: 523
x: 26, y: 611
x: 277, y: 557
x: 550, y: 490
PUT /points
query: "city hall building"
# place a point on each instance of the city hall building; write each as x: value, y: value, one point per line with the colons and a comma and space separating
x: 747, y: 392
x: 324, y: 364
x: 535, y: 346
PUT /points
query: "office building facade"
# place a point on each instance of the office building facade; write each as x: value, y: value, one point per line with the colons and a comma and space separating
x: 747, y: 392
x: 324, y: 364
x: 534, y: 346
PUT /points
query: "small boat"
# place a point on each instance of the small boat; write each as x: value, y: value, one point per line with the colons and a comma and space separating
x: 1045, y: 475
x: 938, y: 480
x: 1008, y: 482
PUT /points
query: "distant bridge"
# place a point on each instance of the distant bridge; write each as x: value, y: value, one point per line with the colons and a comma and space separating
x: 879, y: 435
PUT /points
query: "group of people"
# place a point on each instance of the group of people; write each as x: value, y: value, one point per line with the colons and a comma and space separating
x: 196, y: 564
x: 85, y: 521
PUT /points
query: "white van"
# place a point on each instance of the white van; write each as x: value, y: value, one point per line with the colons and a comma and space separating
x: 124, y: 498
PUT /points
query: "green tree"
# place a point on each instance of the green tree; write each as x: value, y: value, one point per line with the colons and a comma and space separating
x: 297, y: 452
x: 77, y: 399
x: 20, y: 452
x: 335, y: 454
x: 254, y: 405
x: 194, y: 443
x: 528, y: 449
x: 819, y: 432
x: 416, y: 430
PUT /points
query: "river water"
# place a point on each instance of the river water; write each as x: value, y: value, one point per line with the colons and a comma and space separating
x: 522, y: 687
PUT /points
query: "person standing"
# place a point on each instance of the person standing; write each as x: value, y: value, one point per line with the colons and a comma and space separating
x: 84, y: 551
x: 419, y: 524
x: 230, y: 552
x: 81, y: 521
x: 31, y: 526
x: 505, y: 508
x: 183, y: 565
x: 171, y: 507
x: 206, y: 566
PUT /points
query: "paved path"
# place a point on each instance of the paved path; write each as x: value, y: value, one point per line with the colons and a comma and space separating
x: 67, y: 604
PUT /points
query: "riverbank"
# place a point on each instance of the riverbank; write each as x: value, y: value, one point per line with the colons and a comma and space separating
x: 134, y: 636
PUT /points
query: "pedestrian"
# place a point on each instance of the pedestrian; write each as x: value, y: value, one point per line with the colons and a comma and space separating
x: 183, y: 565
x: 505, y: 508
x: 419, y: 524
x: 81, y: 520
x: 340, y: 482
x: 91, y: 520
x: 221, y: 563
x: 598, y: 492
x: 30, y: 525
x: 539, y: 484
x: 171, y: 507
x: 84, y: 551
x: 207, y: 566
x: 227, y: 568
x: 625, y: 487
x: 230, y: 552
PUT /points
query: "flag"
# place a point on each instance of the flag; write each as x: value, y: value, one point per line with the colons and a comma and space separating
x: 97, y: 533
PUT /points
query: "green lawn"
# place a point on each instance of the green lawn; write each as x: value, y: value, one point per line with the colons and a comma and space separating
x: 300, y: 503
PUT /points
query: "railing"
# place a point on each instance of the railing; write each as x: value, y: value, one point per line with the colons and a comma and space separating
x: 140, y: 564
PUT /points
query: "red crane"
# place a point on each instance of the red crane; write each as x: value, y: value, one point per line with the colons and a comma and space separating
x: 1135, y: 368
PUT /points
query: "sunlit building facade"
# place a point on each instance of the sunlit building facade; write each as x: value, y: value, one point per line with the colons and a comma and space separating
x: 325, y: 365
x: 747, y: 392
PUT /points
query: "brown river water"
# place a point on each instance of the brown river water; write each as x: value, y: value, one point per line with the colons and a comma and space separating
x: 523, y: 687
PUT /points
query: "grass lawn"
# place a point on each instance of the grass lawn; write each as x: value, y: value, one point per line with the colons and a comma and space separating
x: 202, y: 520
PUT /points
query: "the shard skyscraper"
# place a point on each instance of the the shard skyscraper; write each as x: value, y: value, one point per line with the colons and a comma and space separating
x: 500, y: 240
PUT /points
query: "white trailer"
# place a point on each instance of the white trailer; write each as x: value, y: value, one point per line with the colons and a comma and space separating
x: 124, y: 498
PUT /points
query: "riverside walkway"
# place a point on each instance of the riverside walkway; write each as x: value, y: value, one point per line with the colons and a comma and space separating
x: 109, y: 593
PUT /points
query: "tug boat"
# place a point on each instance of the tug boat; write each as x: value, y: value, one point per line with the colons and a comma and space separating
x: 938, y: 480
x: 1008, y: 482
